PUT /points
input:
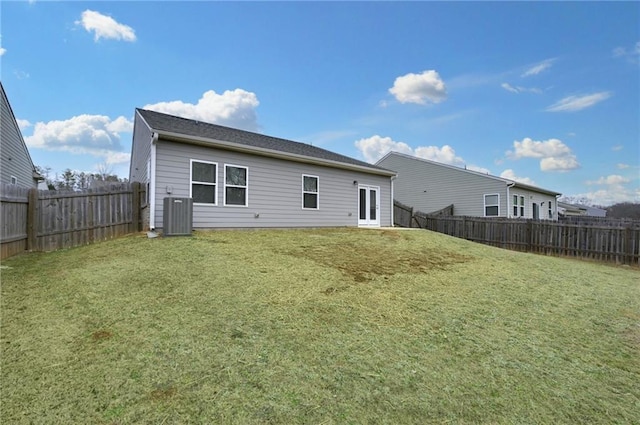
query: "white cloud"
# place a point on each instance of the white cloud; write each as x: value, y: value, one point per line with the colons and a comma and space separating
x: 2, y: 51
x: 564, y: 163
x: 106, y: 27
x: 511, y: 175
x: 21, y: 75
x: 95, y: 135
x: 577, y: 103
x: 375, y: 147
x: 519, y: 89
x: 613, y: 179
x: 419, y: 88
x: 538, y: 68
x: 621, y: 166
x: 631, y: 54
x: 232, y: 108
x: 615, y: 190
x: 478, y: 169
x: 446, y: 154
x: 617, y: 148
x: 554, y: 155
x: 23, y: 124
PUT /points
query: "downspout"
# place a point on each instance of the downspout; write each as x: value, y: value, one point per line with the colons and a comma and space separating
x: 152, y: 183
x: 555, y: 210
x: 392, y: 201
x: 509, y: 186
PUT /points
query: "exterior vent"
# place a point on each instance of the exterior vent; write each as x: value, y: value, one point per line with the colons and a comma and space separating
x: 177, y: 217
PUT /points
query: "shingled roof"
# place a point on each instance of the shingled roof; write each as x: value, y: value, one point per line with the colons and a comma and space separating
x: 172, y: 127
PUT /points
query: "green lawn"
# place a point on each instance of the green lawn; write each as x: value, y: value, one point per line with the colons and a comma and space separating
x: 334, y: 326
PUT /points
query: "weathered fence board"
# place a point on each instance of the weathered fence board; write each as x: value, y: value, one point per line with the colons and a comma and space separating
x: 615, y: 241
x: 48, y: 220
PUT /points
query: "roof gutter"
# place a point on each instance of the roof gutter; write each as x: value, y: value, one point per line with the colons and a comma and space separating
x: 202, y: 141
x: 509, y: 186
x: 152, y: 183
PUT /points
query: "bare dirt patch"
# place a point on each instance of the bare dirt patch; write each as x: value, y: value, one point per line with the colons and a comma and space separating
x: 102, y: 334
x: 363, y: 262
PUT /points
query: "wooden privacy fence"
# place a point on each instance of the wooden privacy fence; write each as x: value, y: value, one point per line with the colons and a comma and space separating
x: 617, y: 242
x: 40, y: 220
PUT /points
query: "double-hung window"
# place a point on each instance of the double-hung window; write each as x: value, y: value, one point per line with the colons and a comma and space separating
x: 518, y: 206
x: 550, y: 210
x: 203, y: 182
x: 235, y: 185
x: 492, y: 205
x: 310, y: 192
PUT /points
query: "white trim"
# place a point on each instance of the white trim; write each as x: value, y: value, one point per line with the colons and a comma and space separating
x: 317, y: 192
x: 245, y: 187
x: 520, y: 205
x: 13, y: 180
x: 491, y: 205
x: 152, y: 182
x: 392, y: 224
x: 367, y: 222
x: 214, y: 184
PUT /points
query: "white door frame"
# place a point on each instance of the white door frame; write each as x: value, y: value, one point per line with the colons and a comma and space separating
x: 365, y: 215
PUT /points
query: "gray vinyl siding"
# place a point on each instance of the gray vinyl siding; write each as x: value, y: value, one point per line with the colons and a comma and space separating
x: 141, y: 151
x: 274, y: 190
x: 14, y: 156
x: 429, y: 187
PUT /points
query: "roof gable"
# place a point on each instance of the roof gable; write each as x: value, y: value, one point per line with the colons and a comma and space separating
x: 188, y: 130
x: 464, y: 170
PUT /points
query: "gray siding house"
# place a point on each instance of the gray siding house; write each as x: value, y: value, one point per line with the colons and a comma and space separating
x: 16, y: 166
x: 429, y: 186
x: 240, y: 179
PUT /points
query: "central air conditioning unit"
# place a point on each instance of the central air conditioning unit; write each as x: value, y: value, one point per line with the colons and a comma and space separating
x: 177, y: 218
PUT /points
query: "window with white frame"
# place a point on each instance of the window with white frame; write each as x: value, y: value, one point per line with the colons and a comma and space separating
x: 203, y: 182
x: 14, y: 180
x: 518, y: 206
x: 492, y: 205
x: 310, y: 192
x: 550, y: 210
x: 236, y: 180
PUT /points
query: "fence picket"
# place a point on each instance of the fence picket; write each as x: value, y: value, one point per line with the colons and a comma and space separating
x: 612, y: 241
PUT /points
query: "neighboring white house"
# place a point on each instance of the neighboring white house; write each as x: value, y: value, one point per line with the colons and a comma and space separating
x: 16, y: 166
x: 240, y: 179
x: 429, y: 186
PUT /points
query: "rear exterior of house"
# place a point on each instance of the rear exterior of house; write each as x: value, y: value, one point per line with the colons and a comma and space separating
x: 429, y: 186
x: 239, y: 179
x: 16, y: 166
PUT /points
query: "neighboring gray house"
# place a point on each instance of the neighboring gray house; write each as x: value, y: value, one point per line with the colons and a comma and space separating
x: 16, y: 166
x: 240, y: 179
x: 429, y: 186
x: 572, y: 210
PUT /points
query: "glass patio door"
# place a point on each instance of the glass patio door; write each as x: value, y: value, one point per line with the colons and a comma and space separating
x: 368, y: 206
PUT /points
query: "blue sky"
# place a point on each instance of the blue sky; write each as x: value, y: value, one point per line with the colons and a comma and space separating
x: 544, y: 93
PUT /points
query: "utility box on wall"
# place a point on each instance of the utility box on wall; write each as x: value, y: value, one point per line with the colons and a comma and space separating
x: 177, y: 217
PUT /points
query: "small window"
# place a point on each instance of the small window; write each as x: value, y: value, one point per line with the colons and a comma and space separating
x: 550, y: 210
x: 14, y: 180
x: 518, y: 206
x: 235, y: 185
x: 310, y: 192
x: 203, y: 182
x: 492, y: 205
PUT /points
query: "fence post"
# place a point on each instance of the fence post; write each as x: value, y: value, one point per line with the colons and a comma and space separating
x: 411, y: 217
x: 135, y: 206
x: 32, y: 220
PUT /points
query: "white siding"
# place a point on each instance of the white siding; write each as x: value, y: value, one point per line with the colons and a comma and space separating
x: 274, y: 192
